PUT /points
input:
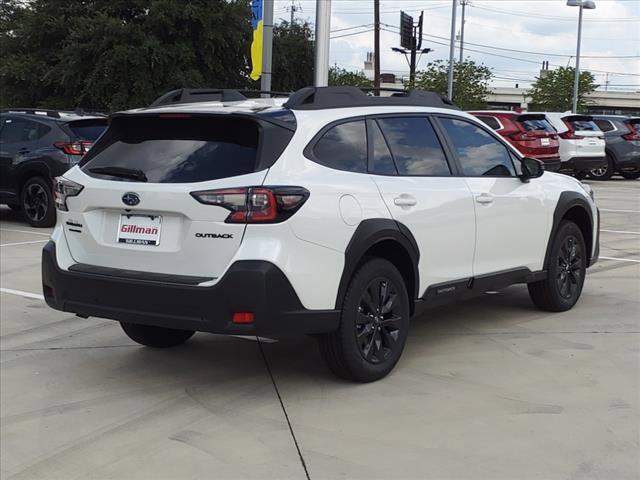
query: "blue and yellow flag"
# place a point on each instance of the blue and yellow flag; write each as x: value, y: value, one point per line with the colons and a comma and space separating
x: 256, y: 44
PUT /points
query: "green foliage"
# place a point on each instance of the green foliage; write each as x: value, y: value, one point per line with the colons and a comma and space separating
x: 115, y: 54
x: 470, y: 82
x: 342, y: 77
x: 553, y: 92
x: 293, y: 56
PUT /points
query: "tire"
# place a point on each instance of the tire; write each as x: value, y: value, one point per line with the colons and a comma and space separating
x: 36, y: 203
x: 156, y: 337
x: 566, y: 269
x: 630, y: 175
x: 605, y: 172
x: 374, y: 324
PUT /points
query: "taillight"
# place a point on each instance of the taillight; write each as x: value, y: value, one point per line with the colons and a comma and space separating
x: 634, y: 134
x: 63, y: 189
x: 570, y: 134
x: 74, y: 148
x: 524, y: 136
x: 255, y: 204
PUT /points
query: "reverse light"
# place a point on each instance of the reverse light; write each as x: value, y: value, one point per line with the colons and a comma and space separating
x: 74, y: 148
x: 255, y: 204
x: 63, y: 189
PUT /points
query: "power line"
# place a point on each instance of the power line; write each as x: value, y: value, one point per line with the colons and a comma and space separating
x: 552, y: 17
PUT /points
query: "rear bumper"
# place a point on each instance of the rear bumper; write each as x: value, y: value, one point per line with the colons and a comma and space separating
x: 253, y: 286
x: 580, y: 164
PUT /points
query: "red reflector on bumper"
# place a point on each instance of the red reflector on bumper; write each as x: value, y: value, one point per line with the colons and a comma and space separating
x: 243, y: 317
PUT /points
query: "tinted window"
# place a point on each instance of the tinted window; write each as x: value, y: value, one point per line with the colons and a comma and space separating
x: 22, y: 130
x: 88, y: 129
x: 604, y: 125
x: 179, y: 150
x: 490, y: 121
x: 344, y: 147
x: 531, y: 125
x: 414, y: 146
x: 382, y: 161
x: 479, y: 153
x: 584, y: 125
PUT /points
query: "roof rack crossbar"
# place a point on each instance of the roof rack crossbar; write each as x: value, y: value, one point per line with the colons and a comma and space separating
x: 33, y: 111
x: 318, y: 98
x: 194, y: 95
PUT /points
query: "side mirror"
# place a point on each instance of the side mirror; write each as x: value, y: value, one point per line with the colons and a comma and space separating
x: 531, y: 168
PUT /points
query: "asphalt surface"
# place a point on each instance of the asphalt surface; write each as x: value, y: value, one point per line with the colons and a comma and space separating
x: 486, y: 389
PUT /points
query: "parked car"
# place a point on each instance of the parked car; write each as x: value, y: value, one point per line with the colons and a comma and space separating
x: 622, y: 138
x: 581, y: 142
x: 337, y: 214
x: 531, y: 134
x: 35, y: 147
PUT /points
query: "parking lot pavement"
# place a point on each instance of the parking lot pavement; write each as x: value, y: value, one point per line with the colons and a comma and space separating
x: 489, y: 388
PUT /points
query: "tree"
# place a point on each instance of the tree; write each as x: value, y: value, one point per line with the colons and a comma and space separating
x: 111, y: 55
x: 342, y: 77
x: 470, y: 82
x: 553, y: 91
x: 293, y: 56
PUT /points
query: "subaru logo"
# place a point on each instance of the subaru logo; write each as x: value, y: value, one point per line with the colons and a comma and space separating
x: 131, y: 199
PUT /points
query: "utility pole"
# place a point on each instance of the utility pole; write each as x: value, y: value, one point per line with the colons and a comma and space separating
x: 452, y: 48
x: 323, y: 27
x: 416, y: 44
x: 267, y: 46
x: 464, y: 7
x: 376, y: 47
x: 294, y: 9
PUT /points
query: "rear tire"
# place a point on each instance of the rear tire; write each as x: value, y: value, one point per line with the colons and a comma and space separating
x: 605, y: 172
x: 566, y: 269
x: 156, y: 337
x: 630, y: 175
x: 374, y: 324
x: 36, y: 203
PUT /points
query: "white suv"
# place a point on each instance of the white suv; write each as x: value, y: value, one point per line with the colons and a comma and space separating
x: 337, y: 214
x: 582, y: 146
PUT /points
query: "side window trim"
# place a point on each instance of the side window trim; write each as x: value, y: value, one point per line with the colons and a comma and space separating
x: 369, y: 122
x: 449, y: 158
x: 308, y: 151
x: 485, y: 128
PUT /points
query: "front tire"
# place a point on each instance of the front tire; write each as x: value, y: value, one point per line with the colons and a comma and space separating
x: 156, y: 337
x: 374, y: 324
x: 36, y: 202
x: 605, y: 172
x: 566, y: 269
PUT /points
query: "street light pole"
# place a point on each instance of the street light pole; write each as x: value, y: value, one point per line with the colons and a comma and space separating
x: 267, y: 46
x: 323, y: 27
x: 452, y: 48
x: 582, y: 4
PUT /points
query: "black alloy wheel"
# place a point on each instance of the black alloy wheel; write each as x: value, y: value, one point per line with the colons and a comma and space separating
x: 37, y: 203
x: 569, y: 272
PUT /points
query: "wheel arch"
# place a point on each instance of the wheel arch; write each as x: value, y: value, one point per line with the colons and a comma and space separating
x: 382, y: 238
x: 573, y: 207
x: 37, y: 169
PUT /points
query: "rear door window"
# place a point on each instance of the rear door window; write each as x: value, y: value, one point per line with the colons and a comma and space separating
x: 15, y: 130
x: 381, y: 159
x: 415, y: 147
x: 478, y: 152
x: 343, y: 147
x: 176, y: 150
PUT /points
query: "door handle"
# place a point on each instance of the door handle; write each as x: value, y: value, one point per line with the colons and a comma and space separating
x: 405, y: 201
x: 485, y: 198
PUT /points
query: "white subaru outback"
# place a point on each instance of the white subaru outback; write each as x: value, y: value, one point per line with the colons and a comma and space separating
x: 336, y: 214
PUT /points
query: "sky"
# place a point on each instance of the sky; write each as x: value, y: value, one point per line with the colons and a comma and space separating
x: 540, y: 29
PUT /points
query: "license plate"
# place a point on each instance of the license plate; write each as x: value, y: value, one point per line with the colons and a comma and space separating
x: 545, y: 141
x: 140, y: 229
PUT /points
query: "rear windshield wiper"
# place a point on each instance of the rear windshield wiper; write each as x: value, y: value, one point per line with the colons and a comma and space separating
x: 121, y: 172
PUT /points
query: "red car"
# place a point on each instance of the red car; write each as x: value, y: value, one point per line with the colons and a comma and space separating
x: 530, y: 133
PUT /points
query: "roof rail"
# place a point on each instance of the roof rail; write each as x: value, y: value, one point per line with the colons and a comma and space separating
x: 33, y: 111
x: 193, y: 95
x: 318, y: 98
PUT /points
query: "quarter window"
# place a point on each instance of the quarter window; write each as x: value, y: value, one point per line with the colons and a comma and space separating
x: 479, y: 153
x: 415, y: 147
x: 344, y: 147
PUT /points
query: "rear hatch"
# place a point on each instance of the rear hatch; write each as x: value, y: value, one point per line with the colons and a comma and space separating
x: 583, y: 126
x: 585, y: 135
x: 536, y: 136
x: 136, y: 210
x: 83, y: 134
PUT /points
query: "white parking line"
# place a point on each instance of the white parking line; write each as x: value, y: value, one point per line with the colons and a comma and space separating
x: 25, y: 231
x: 20, y: 293
x: 619, y: 211
x: 620, y: 259
x: 22, y: 243
x: 620, y: 231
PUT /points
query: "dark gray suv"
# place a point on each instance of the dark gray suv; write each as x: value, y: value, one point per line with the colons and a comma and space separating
x: 35, y: 147
x: 622, y: 137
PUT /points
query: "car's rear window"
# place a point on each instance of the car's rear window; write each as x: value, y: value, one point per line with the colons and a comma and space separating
x: 490, y: 121
x: 583, y: 125
x: 88, y: 129
x: 532, y: 123
x: 173, y: 149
